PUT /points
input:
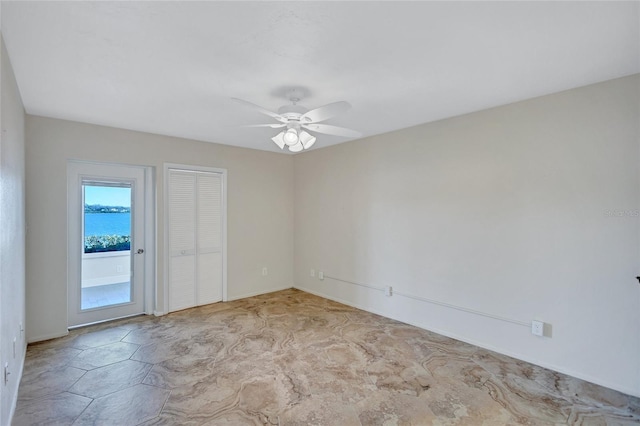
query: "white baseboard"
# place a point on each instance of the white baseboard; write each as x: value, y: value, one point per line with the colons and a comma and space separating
x: 158, y: 313
x: 258, y: 293
x: 47, y: 337
x: 14, y: 401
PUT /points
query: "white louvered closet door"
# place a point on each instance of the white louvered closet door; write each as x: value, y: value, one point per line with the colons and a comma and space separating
x: 182, y: 242
x: 209, y: 238
x: 195, y: 238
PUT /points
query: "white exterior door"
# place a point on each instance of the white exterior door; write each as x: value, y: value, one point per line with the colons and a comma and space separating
x: 196, y: 261
x: 106, y: 245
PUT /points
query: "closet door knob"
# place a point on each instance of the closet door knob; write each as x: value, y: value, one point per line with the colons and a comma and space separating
x: 140, y: 251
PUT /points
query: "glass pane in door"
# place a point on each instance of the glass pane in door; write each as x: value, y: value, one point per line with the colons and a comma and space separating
x: 106, y: 257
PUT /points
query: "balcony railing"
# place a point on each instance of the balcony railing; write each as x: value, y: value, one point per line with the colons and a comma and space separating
x: 105, y: 268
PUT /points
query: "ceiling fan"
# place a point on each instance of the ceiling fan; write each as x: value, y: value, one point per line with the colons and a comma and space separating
x: 296, y: 121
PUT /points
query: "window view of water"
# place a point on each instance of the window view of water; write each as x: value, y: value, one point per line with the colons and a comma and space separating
x: 107, y: 224
x: 107, y: 218
x: 107, y: 232
x: 106, y: 263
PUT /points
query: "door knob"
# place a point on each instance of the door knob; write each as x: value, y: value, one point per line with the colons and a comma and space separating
x: 140, y: 251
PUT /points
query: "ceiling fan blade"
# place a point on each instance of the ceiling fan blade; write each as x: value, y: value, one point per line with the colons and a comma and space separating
x: 328, y: 129
x: 260, y: 109
x: 325, y: 112
x: 273, y: 126
x: 279, y: 139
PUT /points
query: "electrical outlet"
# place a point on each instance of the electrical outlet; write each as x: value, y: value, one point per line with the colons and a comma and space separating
x: 320, y: 275
x: 6, y: 373
x: 388, y: 291
x: 265, y: 271
x: 537, y: 328
x: 312, y: 273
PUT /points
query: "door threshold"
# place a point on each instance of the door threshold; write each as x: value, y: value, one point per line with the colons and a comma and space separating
x: 73, y: 327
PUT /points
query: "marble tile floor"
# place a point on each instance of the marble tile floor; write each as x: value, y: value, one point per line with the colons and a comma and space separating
x: 291, y: 358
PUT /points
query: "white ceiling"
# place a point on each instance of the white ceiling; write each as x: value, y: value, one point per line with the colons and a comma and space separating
x: 172, y: 67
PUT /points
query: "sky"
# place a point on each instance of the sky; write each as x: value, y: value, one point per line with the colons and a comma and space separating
x: 107, y: 196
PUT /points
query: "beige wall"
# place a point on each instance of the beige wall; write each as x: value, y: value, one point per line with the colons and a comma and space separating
x: 522, y: 212
x: 260, y: 209
x: 12, y: 235
x: 526, y: 211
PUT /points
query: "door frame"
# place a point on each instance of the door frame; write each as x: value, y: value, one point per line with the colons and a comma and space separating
x: 191, y: 168
x: 74, y: 180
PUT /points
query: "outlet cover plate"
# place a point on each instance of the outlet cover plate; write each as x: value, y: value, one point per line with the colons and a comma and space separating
x: 537, y: 328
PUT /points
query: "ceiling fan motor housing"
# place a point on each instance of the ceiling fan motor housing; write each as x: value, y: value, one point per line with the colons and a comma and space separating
x: 292, y: 112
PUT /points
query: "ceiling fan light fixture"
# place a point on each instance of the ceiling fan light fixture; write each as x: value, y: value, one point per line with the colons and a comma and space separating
x: 291, y: 137
x: 294, y: 119
x: 279, y: 140
x: 307, y: 140
x: 309, y: 143
x: 296, y: 147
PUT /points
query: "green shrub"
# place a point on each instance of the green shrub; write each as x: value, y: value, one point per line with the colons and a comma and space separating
x: 102, y: 243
